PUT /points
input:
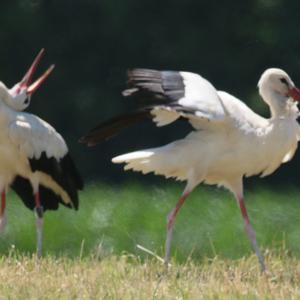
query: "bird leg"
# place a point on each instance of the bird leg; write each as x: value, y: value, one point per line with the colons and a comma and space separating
x: 39, y: 212
x: 2, y: 212
x: 170, y: 222
x: 251, y: 233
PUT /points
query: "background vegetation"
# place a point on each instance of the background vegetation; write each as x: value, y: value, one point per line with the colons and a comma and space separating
x: 93, y: 42
x: 115, y: 219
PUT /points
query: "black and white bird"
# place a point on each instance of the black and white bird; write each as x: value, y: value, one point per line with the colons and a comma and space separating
x: 228, y: 141
x: 34, y: 158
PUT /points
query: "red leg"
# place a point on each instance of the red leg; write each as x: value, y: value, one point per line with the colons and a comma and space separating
x: 2, y: 211
x: 173, y: 213
x: 3, y: 203
x: 170, y: 219
x: 250, y: 232
x: 37, y: 199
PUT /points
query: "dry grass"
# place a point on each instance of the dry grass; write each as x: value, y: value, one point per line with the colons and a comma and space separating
x: 126, y: 277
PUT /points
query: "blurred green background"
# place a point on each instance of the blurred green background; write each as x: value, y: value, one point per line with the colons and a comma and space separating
x: 93, y: 42
x: 117, y: 218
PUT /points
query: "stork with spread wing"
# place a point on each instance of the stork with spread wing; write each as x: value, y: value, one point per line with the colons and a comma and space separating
x: 228, y: 140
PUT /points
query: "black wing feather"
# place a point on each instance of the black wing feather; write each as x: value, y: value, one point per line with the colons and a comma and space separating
x: 63, y: 172
x: 23, y: 188
x: 156, y: 88
x: 164, y: 86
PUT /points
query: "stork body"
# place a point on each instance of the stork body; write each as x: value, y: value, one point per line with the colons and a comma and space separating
x: 34, y: 158
x: 229, y: 140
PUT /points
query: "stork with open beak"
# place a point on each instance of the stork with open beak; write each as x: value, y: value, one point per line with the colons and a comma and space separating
x: 22, y: 91
x: 228, y: 141
x: 34, y: 158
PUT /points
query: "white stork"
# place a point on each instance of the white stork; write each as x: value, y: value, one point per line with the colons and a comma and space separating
x: 228, y: 141
x: 34, y: 158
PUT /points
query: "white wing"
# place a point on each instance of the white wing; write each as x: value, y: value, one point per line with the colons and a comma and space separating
x: 203, y: 105
x: 34, y: 136
x: 202, y: 97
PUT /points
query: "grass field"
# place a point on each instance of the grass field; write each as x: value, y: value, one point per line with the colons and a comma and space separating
x: 93, y: 254
x: 128, y: 277
x: 117, y: 218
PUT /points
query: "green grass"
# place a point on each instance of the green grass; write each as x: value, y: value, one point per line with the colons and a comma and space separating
x: 115, y: 218
x: 92, y: 253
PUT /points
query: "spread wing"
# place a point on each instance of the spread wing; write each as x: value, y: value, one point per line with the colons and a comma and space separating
x: 169, y: 95
x: 180, y: 91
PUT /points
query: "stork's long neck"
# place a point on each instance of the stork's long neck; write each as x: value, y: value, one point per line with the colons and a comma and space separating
x: 5, y: 112
x: 279, y: 104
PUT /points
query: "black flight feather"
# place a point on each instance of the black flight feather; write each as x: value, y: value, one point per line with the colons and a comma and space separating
x: 63, y: 172
x: 164, y: 86
x: 154, y: 88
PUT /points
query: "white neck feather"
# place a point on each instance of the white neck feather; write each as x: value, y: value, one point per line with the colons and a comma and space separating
x: 279, y: 104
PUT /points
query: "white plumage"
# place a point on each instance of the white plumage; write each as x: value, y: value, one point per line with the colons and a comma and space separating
x: 28, y: 137
x: 33, y: 136
x: 229, y: 140
x: 221, y: 151
x: 24, y: 136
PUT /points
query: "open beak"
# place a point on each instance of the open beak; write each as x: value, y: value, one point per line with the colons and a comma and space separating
x: 294, y: 93
x: 26, y: 81
x: 34, y: 86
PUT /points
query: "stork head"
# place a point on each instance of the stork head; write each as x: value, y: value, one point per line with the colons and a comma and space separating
x: 19, y: 95
x: 276, y: 88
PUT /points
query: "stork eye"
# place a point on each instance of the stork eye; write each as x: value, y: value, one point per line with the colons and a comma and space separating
x: 26, y: 101
x: 284, y: 81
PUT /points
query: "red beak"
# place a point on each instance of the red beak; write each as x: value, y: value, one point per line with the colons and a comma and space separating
x: 294, y: 93
x: 26, y: 81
